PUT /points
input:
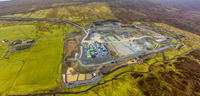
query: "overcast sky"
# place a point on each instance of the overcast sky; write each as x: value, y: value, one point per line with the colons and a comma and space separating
x: 4, y: 0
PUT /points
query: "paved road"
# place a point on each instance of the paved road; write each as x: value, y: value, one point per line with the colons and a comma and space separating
x: 37, y: 19
x: 132, y: 38
x: 81, y: 48
x: 27, y: 11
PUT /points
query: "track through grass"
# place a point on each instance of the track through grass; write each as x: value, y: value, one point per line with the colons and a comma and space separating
x: 41, y: 70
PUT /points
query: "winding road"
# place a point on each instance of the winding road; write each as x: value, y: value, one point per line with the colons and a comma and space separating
x: 27, y: 11
x: 81, y: 50
x: 115, y: 78
x: 37, y: 19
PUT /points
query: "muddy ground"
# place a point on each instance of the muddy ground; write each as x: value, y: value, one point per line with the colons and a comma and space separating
x: 72, y: 48
x: 66, y: 65
x: 84, y: 70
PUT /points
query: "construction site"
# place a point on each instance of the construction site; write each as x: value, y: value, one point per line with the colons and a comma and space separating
x: 109, y: 45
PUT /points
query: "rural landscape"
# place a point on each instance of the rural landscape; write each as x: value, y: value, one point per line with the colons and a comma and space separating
x: 100, y: 47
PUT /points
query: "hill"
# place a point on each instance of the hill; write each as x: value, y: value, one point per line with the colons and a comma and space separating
x: 182, y: 14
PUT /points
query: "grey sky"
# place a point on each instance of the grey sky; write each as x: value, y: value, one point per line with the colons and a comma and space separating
x: 4, y: 0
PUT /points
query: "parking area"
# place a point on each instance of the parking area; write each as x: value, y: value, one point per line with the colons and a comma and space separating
x: 95, y: 50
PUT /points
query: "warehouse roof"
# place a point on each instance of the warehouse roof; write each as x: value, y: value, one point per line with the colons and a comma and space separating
x: 23, y: 47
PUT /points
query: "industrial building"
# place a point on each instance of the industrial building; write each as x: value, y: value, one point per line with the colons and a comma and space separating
x: 23, y: 47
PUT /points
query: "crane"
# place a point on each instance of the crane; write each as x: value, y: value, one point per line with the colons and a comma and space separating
x: 117, y: 54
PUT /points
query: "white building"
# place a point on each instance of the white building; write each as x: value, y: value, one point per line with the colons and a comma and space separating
x: 4, y: 41
x: 76, y: 55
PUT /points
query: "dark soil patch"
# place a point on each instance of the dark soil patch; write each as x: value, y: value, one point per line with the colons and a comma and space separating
x: 136, y: 75
x: 163, y: 66
x: 197, y: 87
x: 72, y: 48
x: 79, y: 70
x: 150, y: 86
x: 184, y: 82
x: 66, y: 65
x: 187, y: 64
x: 196, y: 54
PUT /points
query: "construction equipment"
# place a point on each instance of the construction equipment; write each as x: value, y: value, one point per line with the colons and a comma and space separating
x: 117, y: 54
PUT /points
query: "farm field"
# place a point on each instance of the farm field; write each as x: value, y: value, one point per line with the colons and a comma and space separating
x: 9, y: 68
x: 42, y: 67
x: 33, y: 30
x: 3, y: 49
x: 17, y: 32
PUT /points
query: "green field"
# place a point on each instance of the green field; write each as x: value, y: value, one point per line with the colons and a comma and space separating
x: 3, y: 49
x: 42, y: 67
x: 9, y: 68
x: 40, y: 72
x: 17, y: 32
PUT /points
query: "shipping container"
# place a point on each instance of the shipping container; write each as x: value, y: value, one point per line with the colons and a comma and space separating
x: 88, y: 52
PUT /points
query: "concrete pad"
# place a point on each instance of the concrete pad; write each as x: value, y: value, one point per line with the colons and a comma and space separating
x: 88, y: 76
x: 111, y: 38
x: 81, y: 77
x: 96, y: 37
x: 71, y: 78
x: 122, y: 49
x: 133, y: 47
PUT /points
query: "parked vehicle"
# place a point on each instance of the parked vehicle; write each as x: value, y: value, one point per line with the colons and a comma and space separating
x: 94, y: 74
x: 96, y: 53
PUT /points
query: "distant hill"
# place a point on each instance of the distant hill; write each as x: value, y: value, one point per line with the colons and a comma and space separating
x: 22, y: 5
x: 183, y: 14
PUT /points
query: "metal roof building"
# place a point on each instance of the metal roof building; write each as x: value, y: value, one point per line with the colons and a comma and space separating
x: 23, y: 47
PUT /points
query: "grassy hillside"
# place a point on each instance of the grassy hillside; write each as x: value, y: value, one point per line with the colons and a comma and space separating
x: 156, y: 82
x: 24, y: 5
x: 39, y: 67
x: 182, y: 14
x: 86, y: 13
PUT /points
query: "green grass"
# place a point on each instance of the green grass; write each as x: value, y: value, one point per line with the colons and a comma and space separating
x: 17, y: 32
x: 42, y: 68
x: 3, y: 49
x: 136, y: 22
x: 116, y: 88
x: 71, y: 35
x: 33, y: 30
x: 9, y: 68
x: 84, y: 69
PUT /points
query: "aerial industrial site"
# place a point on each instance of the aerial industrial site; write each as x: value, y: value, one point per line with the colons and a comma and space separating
x: 110, y: 45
